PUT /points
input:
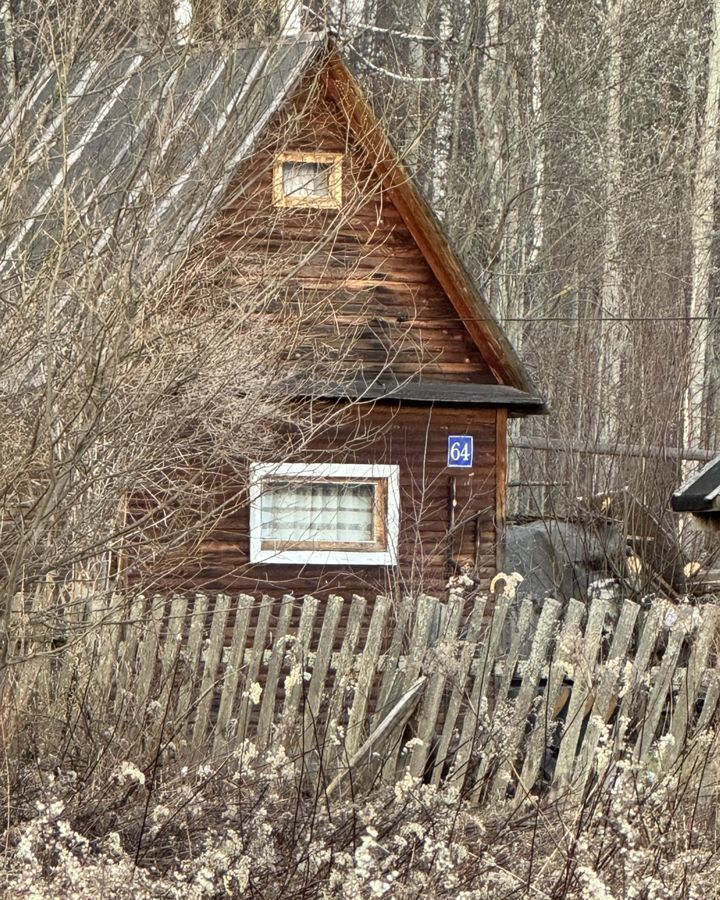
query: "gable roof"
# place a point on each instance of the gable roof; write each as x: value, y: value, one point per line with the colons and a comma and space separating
x: 148, y: 145
x: 146, y: 139
x: 701, y: 492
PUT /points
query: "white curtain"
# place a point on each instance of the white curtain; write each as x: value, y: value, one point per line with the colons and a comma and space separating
x: 306, y: 179
x: 333, y: 511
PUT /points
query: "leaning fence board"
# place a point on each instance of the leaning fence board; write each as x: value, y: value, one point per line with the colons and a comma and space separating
x: 272, y: 679
x: 231, y: 677
x: 526, y: 695
x: 343, y: 672
x: 477, y: 703
x: 253, y: 667
x: 541, y: 734
x: 633, y: 679
x: 583, y: 680
x: 691, y: 676
x: 213, y: 655
x: 489, y: 750
x: 392, y: 657
x: 196, y: 629
x: 313, y: 701
x: 430, y: 707
x: 458, y: 690
x: 710, y: 702
x: 662, y: 682
x: 606, y: 690
x: 425, y: 617
x: 366, y: 676
x: 147, y: 654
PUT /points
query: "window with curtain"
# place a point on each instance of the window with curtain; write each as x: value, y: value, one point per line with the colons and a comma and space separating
x: 324, y: 513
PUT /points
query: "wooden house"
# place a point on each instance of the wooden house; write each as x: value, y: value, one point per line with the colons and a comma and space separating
x: 306, y: 189
x: 432, y: 376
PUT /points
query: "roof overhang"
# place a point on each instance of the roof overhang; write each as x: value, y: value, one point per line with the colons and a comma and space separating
x: 422, y: 392
x: 701, y: 492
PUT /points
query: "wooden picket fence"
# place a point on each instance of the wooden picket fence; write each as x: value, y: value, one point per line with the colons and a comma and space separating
x: 356, y: 690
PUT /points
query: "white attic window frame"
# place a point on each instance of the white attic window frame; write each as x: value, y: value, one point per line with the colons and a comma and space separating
x: 331, y: 165
x: 381, y: 550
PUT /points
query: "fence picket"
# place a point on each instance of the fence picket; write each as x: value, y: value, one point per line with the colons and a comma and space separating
x: 108, y: 649
x: 171, y: 652
x: 299, y: 652
x: 560, y: 665
x: 425, y: 618
x: 313, y: 700
x: 583, y: 677
x: 196, y: 630
x: 430, y: 705
x: 643, y: 655
x: 509, y: 663
x: 526, y: 695
x: 366, y: 676
x: 223, y: 732
x: 691, y: 677
x: 255, y: 661
x: 661, y: 684
x: 213, y: 655
x: 126, y: 654
x: 458, y: 689
x: 272, y: 679
x: 343, y: 670
x: 481, y: 668
x: 609, y: 676
x: 147, y: 654
x: 391, y: 659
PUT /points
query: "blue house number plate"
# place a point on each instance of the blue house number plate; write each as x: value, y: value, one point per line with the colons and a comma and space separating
x: 460, y: 451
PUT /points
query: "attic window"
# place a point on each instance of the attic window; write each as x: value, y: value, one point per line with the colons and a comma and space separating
x: 327, y: 514
x: 308, y: 180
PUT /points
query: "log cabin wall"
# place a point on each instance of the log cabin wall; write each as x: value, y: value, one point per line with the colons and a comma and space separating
x: 449, y: 517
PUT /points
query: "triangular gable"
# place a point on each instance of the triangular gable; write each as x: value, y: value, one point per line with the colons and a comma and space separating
x: 428, y: 233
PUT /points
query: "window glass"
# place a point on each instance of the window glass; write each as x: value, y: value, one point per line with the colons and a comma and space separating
x: 338, y: 512
x: 309, y: 180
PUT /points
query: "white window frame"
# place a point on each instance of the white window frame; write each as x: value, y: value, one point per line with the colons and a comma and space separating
x: 390, y: 474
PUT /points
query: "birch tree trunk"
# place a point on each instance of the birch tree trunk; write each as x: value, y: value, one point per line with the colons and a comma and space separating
x: 703, y: 221
x: 611, y: 331
x: 6, y: 19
